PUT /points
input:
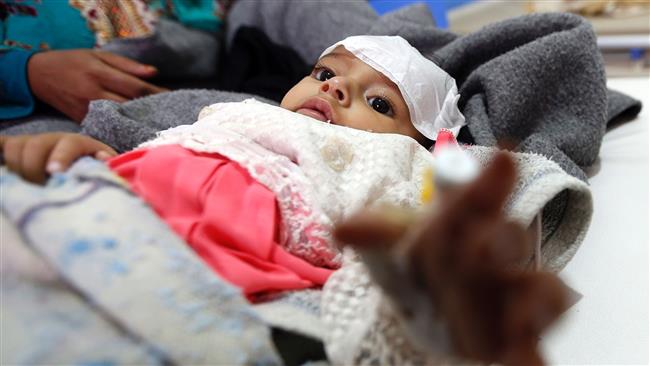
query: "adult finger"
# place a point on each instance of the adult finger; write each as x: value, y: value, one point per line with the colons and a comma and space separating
x: 372, y: 228
x: 497, y: 244
x: 471, y: 210
x: 127, y: 65
x: 523, y: 353
x: 127, y: 86
x: 466, y: 218
x: 480, y: 200
x: 490, y: 190
x: 533, y: 304
x: 112, y: 96
x: 75, y: 109
x: 537, y: 301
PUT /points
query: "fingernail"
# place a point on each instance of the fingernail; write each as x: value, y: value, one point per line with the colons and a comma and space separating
x: 148, y: 68
x: 53, y: 167
x: 102, y: 155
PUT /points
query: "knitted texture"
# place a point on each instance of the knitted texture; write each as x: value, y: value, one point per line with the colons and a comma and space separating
x: 320, y: 173
x: 365, y: 324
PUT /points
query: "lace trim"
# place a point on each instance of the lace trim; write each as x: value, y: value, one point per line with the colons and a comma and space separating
x: 305, y: 230
x: 320, y: 173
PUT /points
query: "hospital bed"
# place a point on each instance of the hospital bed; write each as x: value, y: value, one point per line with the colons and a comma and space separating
x: 609, y: 324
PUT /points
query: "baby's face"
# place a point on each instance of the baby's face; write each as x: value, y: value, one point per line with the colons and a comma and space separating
x: 347, y: 92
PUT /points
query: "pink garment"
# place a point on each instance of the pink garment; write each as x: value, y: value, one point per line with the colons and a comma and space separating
x: 227, y: 217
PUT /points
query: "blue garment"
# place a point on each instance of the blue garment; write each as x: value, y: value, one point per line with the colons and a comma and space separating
x: 41, y: 25
x: 16, y: 98
x: 29, y: 26
x: 204, y: 14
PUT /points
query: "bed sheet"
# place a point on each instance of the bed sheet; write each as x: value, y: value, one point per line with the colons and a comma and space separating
x: 609, y: 325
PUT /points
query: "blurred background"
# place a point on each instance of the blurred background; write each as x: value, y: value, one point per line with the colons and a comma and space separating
x: 622, y: 26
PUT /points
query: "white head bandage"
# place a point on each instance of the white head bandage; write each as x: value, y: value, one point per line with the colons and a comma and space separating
x: 430, y: 93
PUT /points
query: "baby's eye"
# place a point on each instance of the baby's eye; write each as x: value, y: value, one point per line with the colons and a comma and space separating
x: 323, y: 74
x: 380, y: 105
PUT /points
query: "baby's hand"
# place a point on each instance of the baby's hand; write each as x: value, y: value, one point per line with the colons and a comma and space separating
x: 465, y: 256
x: 36, y: 156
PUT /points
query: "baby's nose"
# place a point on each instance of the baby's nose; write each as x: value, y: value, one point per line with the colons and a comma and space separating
x: 337, y: 87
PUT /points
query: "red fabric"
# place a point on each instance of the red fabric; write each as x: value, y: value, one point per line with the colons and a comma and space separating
x: 227, y: 217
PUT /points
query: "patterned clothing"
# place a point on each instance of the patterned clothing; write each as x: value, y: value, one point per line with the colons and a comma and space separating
x: 34, y: 25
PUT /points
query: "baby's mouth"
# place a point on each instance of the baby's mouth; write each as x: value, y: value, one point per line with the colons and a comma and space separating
x: 317, y: 108
x: 313, y: 113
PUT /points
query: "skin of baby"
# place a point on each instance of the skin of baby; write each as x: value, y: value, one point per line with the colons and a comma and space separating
x: 347, y: 92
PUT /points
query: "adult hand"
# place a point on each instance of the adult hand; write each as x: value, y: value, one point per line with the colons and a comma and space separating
x: 35, y: 156
x: 69, y: 80
x: 467, y: 256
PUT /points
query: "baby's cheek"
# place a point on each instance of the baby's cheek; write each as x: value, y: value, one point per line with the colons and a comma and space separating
x: 384, y: 124
x: 285, y: 101
x: 291, y: 100
x: 300, y: 92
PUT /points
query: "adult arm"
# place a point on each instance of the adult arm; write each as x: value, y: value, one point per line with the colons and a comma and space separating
x: 70, y: 80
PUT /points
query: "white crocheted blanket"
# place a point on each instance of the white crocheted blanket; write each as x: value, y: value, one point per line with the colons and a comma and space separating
x: 320, y: 173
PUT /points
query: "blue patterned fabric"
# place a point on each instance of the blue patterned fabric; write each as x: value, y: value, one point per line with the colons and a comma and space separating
x: 130, y: 291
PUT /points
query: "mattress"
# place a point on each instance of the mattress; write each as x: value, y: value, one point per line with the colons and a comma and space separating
x: 609, y: 325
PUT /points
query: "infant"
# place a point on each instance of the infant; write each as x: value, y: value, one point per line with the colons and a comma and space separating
x: 368, y: 83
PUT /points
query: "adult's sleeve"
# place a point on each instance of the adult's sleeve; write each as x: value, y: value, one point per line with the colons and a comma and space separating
x: 16, y: 99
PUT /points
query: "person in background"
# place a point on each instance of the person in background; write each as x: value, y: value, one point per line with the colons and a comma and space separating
x: 60, y: 53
